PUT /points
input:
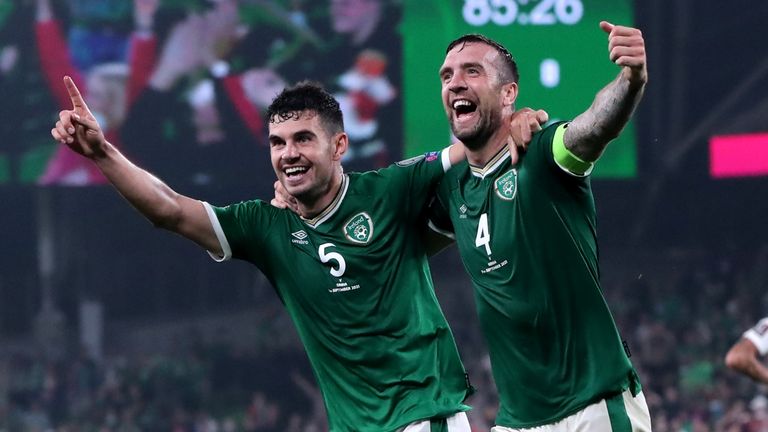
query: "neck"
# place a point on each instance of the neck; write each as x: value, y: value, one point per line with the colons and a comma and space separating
x: 480, y: 156
x: 309, y: 208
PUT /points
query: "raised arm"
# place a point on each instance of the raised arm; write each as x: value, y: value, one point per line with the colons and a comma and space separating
x: 743, y: 357
x: 590, y: 132
x: 78, y: 129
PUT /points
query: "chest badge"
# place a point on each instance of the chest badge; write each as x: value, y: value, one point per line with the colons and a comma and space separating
x: 359, y: 228
x: 506, y: 185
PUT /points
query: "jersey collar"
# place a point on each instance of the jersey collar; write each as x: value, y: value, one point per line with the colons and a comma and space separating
x: 332, y: 207
x: 492, y: 164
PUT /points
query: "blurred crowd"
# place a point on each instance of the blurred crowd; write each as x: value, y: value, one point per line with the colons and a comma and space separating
x: 181, y: 85
x: 679, y: 312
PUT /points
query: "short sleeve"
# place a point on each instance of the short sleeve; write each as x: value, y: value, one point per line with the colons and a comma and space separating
x: 438, y: 218
x: 414, y: 180
x: 241, y: 228
x: 758, y: 335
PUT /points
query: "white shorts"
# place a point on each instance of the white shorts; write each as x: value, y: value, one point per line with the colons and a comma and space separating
x: 456, y: 423
x: 621, y: 413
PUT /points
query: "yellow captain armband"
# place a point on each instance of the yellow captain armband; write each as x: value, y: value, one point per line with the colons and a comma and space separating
x: 567, y: 160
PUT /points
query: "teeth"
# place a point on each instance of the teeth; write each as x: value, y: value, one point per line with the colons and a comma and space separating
x: 294, y: 170
x: 461, y: 102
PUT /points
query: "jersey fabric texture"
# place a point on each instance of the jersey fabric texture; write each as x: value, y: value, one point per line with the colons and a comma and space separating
x: 526, y: 234
x: 758, y: 335
x: 356, y: 283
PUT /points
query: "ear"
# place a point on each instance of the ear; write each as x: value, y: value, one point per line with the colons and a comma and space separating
x: 340, y: 143
x: 509, y: 94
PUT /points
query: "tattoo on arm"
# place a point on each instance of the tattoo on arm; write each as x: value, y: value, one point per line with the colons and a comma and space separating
x: 590, y: 132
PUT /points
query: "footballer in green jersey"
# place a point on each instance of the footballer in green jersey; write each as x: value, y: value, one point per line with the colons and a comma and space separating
x: 526, y: 231
x: 356, y: 283
x: 526, y: 235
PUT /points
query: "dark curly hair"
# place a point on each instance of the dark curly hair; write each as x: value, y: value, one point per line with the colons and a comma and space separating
x: 307, y: 96
x: 508, y: 70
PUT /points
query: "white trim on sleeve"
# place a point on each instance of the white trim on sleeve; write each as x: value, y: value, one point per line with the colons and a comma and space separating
x: 225, y: 248
x: 445, y: 158
x: 442, y: 232
x: 758, y: 335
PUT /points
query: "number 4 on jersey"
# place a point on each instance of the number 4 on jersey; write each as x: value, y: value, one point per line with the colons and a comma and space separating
x: 483, y: 237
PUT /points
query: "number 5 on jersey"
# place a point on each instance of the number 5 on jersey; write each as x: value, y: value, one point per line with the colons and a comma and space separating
x: 332, y: 256
x: 483, y: 237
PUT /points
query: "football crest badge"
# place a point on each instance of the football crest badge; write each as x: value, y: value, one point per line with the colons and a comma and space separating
x: 506, y: 185
x: 359, y: 229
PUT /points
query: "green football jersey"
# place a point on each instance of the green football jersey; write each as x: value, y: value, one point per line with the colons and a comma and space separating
x: 526, y: 235
x: 356, y: 283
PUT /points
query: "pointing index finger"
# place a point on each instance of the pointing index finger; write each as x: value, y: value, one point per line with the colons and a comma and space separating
x: 74, y: 94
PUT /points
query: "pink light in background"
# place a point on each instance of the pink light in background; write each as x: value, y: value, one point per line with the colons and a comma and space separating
x: 738, y: 155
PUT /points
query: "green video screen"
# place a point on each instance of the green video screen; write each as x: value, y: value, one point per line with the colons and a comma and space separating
x: 561, y: 52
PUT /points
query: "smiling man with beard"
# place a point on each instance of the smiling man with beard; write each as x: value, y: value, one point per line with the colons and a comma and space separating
x: 525, y: 226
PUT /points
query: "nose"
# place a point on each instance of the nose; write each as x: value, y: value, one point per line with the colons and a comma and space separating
x: 290, y: 152
x: 457, y: 83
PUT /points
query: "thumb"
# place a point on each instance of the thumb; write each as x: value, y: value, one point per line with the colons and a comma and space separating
x: 606, y: 26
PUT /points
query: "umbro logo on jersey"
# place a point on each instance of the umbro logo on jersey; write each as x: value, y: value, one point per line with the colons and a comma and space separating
x: 359, y: 228
x: 506, y: 185
x: 463, y: 211
x: 299, y: 237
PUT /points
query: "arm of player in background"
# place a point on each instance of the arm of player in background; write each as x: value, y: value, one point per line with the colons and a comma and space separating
x: 78, y: 129
x: 743, y: 357
x: 590, y: 132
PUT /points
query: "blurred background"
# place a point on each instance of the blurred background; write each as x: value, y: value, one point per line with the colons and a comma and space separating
x: 108, y: 324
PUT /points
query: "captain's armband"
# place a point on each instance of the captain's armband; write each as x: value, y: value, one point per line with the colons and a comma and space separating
x: 565, y: 159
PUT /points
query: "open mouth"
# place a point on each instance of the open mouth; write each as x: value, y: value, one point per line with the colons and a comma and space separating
x: 463, y: 108
x: 295, y: 172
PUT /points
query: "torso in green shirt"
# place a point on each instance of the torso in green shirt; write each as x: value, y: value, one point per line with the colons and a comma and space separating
x: 356, y: 283
x: 526, y: 234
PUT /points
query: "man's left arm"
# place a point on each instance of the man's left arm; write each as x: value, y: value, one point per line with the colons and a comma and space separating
x: 589, y: 133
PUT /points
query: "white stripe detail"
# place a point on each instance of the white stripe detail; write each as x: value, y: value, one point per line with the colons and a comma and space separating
x: 456, y: 423
x: 442, y: 232
x: 344, y: 187
x: 445, y: 158
x: 595, y: 418
x: 490, y: 169
x: 573, y: 174
x: 225, y: 248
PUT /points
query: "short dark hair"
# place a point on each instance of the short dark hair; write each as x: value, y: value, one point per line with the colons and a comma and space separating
x: 508, y: 70
x: 307, y: 96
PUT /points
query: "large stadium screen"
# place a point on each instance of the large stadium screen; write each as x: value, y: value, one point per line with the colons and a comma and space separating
x: 559, y: 47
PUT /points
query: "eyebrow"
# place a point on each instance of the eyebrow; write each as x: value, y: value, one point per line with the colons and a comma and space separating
x: 465, y: 65
x: 273, y: 137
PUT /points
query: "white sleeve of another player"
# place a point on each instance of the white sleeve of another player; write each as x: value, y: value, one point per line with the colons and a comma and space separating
x: 758, y: 335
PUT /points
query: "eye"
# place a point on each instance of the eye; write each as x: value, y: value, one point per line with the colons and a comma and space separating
x: 446, y: 77
x: 473, y: 71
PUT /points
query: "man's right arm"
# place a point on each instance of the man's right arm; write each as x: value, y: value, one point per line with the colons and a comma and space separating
x: 78, y: 129
x: 743, y: 357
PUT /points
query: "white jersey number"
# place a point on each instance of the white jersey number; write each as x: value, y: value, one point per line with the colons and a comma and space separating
x: 483, y: 237
x: 332, y: 256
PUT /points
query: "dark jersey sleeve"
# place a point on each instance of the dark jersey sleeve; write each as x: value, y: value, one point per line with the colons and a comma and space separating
x: 438, y: 217
x: 412, y: 181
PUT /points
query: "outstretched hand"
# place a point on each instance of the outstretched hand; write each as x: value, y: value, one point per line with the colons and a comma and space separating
x: 627, y: 49
x: 78, y: 128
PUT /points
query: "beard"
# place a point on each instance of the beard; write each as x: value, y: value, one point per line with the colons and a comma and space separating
x: 478, y: 136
